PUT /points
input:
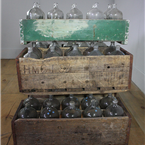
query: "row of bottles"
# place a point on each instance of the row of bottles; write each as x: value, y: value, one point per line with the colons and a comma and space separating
x: 111, y: 13
x: 71, y: 107
x: 55, y: 50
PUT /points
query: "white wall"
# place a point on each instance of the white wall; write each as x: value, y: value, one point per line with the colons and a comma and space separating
x: 133, y: 10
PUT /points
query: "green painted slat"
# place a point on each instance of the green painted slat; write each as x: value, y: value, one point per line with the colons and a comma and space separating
x: 73, y: 30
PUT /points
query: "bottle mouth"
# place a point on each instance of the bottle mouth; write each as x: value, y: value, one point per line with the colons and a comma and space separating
x: 114, y: 5
x: 55, y: 5
x: 73, y: 6
x: 36, y: 4
x: 95, y: 5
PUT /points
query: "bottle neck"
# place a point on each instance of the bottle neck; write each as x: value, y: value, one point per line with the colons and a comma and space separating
x: 112, y: 43
x: 95, y: 5
x: 71, y: 95
x: 75, y: 47
x: 114, y: 6
x: 74, y: 6
x: 96, y: 47
x: 109, y: 6
x: 36, y: 5
x: 55, y: 5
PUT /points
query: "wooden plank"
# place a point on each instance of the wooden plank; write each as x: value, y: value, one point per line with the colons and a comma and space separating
x: 73, y: 30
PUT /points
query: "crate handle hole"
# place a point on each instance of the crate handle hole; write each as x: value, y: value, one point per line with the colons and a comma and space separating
x: 42, y: 82
x: 108, y: 66
x: 98, y: 88
x: 113, y: 88
x: 83, y: 89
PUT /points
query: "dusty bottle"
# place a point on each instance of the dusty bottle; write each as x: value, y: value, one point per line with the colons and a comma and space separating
x: 92, y: 110
x: 87, y: 101
x: 55, y: 13
x: 35, y: 12
x: 106, y: 101
x: 114, y: 109
x: 71, y: 97
x: 27, y: 112
x: 54, y: 102
x: 71, y: 111
x: 110, y: 49
x: 117, y: 51
x: 49, y: 111
x: 33, y: 102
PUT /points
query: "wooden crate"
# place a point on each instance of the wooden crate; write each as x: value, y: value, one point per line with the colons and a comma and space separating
x: 74, y: 75
x: 77, y: 131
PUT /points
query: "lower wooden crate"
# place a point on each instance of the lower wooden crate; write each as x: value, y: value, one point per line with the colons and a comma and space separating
x: 76, y: 131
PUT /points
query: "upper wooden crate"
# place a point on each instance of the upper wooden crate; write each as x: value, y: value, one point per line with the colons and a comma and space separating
x: 73, y: 30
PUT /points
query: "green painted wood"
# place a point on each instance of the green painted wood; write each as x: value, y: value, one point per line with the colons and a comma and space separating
x: 73, y: 30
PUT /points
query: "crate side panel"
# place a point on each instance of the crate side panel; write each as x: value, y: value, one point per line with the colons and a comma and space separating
x: 70, y: 30
x: 99, y: 131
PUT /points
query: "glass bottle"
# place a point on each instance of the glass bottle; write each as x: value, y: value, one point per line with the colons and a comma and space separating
x: 83, y: 44
x: 57, y: 48
x: 95, y: 13
x: 73, y: 51
x: 31, y: 53
x: 117, y: 51
x: 92, y: 110
x: 106, y: 101
x: 27, y: 112
x: 87, y: 101
x: 35, y: 12
x: 110, y: 49
x: 95, y: 51
x: 55, y: 13
x: 107, y: 11
x: 114, y: 110
x: 51, y: 52
x: 54, y: 102
x: 74, y: 13
x: 49, y: 111
x: 89, y: 49
x: 41, y: 45
x: 71, y: 111
x: 33, y: 102
x: 65, y: 102
x: 114, y: 13
x: 101, y: 44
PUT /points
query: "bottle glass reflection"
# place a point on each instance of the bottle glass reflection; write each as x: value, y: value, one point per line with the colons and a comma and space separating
x: 66, y: 101
x: 92, y: 110
x: 41, y: 45
x: 71, y: 111
x: 114, y: 110
x: 89, y: 49
x: 49, y: 111
x: 74, y: 13
x: 107, y: 11
x: 110, y: 49
x: 35, y: 12
x: 27, y: 112
x: 55, y: 13
x: 54, y: 102
x: 95, y: 51
x: 95, y: 13
x: 117, y: 51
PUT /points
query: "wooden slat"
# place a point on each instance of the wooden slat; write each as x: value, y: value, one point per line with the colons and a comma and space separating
x: 74, y: 30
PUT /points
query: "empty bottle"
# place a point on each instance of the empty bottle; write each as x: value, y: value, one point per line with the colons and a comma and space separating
x: 87, y: 101
x: 71, y: 111
x: 95, y: 13
x: 35, y: 12
x: 74, y: 13
x: 27, y: 112
x: 55, y: 13
x: 110, y: 49
x: 54, y: 102
x: 95, y: 51
x: 49, y: 111
x: 117, y: 51
x: 114, y: 13
x: 92, y: 110
x: 106, y: 101
x: 65, y: 102
x: 33, y: 102
x: 114, y: 109
x: 107, y: 11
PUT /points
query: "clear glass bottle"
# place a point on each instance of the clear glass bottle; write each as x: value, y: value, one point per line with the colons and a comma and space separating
x: 31, y: 53
x: 73, y: 51
x: 114, y: 110
x: 33, y: 102
x: 71, y: 97
x: 55, y: 13
x: 89, y: 49
x: 95, y: 51
x: 57, y: 48
x: 87, y: 101
x: 74, y: 13
x: 106, y: 101
x: 95, y: 13
x: 51, y: 52
x: 107, y: 11
x: 35, y: 12
x: 110, y: 49
x: 83, y: 44
x: 27, y: 112
x: 41, y: 45
x: 114, y: 13
x: 54, y: 102
x: 49, y: 111
x: 71, y: 111
x: 117, y: 51
x: 92, y: 110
